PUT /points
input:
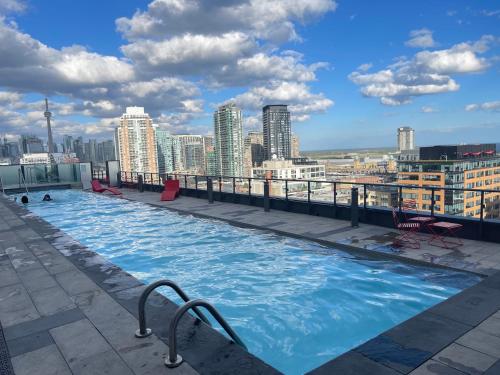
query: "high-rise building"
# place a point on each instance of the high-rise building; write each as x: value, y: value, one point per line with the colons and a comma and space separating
x: 137, y: 142
x: 186, y: 140
x: 194, y: 157
x: 31, y: 144
x: 105, y: 151
x: 78, y: 148
x: 254, y: 152
x: 277, y: 132
x: 90, y: 149
x: 406, y: 138
x: 209, y: 147
x: 453, y: 167
x: 295, y: 146
x: 68, y: 143
x: 165, y: 146
x: 228, y: 130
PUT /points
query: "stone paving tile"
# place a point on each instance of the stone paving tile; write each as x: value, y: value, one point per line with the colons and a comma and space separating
x: 432, y: 367
x: 46, y: 361
x: 482, y: 342
x: 55, y: 263
x: 465, y: 359
x: 16, y: 306
x: 52, y: 300
x: 75, y: 282
x: 29, y: 343
x: 108, y: 363
x: 494, y: 370
x: 471, y: 306
x: 8, y: 275
x: 42, y: 324
x: 36, y: 283
x: 79, y: 340
x: 352, y: 363
x: 490, y: 326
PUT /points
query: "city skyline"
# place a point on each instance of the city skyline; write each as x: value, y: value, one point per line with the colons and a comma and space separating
x: 340, y: 91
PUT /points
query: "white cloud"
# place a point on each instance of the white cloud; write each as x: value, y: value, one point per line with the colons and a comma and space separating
x: 190, y: 54
x: 487, y: 106
x: 365, y: 67
x: 428, y: 109
x: 297, y: 95
x: 421, y: 38
x: 426, y: 73
x: 28, y: 64
x: 269, y: 20
x: 12, y: 6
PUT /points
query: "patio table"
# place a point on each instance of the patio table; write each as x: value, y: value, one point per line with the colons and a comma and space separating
x: 443, y: 229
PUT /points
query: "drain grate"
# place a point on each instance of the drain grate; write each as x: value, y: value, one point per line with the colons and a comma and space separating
x: 5, y: 364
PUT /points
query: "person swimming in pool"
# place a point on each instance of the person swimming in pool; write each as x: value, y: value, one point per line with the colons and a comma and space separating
x: 24, y: 199
x: 46, y: 198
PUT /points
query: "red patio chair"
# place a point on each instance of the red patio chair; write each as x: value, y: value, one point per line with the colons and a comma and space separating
x: 98, y: 188
x: 172, y: 190
x: 407, y: 232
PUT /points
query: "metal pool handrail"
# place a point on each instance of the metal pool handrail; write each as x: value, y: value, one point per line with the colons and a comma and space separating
x: 145, y: 332
x: 173, y: 359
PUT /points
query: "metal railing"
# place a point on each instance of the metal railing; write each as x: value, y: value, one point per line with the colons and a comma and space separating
x: 174, y: 359
x: 143, y: 331
x: 338, y: 193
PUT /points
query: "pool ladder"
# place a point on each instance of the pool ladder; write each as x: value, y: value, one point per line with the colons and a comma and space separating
x: 174, y: 359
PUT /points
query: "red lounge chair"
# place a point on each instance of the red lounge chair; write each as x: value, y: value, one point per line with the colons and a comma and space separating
x: 407, y: 232
x: 172, y: 190
x: 98, y: 188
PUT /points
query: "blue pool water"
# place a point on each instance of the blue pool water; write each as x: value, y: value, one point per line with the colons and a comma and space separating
x: 295, y: 303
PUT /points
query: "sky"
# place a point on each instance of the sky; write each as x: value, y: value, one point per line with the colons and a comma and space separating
x: 351, y: 71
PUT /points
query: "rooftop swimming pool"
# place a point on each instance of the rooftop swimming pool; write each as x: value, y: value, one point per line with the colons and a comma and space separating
x: 295, y: 303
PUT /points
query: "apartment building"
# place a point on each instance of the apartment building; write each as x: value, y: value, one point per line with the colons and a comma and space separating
x: 457, y: 167
x: 136, y: 142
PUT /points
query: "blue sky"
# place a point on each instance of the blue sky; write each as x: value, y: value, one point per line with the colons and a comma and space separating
x: 351, y: 71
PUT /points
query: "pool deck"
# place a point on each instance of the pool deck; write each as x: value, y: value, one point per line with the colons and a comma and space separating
x: 66, y: 310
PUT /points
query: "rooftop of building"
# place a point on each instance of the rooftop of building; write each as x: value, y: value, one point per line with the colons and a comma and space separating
x: 57, y: 296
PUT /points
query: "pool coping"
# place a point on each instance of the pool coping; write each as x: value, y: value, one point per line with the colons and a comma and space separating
x: 398, y: 350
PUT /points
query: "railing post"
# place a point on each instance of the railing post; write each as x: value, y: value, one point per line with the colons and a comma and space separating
x: 400, y: 203
x: 286, y: 196
x: 354, y: 208
x: 433, y: 200
x: 334, y: 199
x: 234, y: 189
x: 364, y: 196
x: 140, y: 183
x: 309, y: 197
x: 220, y: 184
x: 481, y: 217
x: 266, y: 196
x: 210, y: 190
x: 119, y: 179
x: 249, y: 189
x: 185, y: 182
x: 196, y: 183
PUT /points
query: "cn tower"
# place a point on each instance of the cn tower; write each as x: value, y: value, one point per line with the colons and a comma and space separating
x: 48, y: 115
